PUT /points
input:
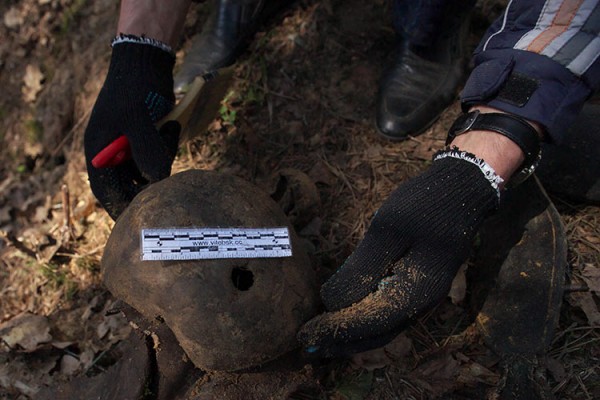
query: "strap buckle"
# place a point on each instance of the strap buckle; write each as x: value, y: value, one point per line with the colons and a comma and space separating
x: 462, y: 124
x: 513, y: 127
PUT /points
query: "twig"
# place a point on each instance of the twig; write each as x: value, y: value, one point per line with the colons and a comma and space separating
x: 389, y: 381
x: 561, y: 385
x: 588, y: 223
x: 580, y: 345
x: 576, y: 288
x: 570, y: 347
x: 414, y: 139
x: 573, y: 327
x: 350, y: 51
x: 93, y: 365
x: 589, y: 244
x: 81, y: 120
x: 453, y: 330
x: 340, y: 174
x: 72, y: 354
x: 270, y: 110
x: 67, y: 228
x: 580, y: 382
x: 286, y: 76
x: 82, y: 255
x: 429, y: 335
x: 283, y: 96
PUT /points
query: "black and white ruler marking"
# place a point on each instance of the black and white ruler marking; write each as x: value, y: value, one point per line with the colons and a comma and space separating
x: 214, y: 243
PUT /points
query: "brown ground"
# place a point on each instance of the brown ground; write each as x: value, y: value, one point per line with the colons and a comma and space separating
x: 304, y: 97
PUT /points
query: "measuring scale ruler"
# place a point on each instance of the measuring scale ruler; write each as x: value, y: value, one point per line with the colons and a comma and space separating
x: 214, y: 243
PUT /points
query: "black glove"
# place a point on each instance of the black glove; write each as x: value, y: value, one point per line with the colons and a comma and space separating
x: 407, y: 260
x: 137, y: 92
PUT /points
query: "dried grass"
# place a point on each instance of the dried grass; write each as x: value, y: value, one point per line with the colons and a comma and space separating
x: 304, y: 98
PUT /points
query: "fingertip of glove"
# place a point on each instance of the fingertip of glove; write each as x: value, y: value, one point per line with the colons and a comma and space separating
x: 155, y: 166
x: 309, y: 339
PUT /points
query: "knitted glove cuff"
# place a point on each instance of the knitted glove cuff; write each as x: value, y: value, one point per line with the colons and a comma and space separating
x: 494, y: 179
x: 141, y: 63
x: 123, y: 38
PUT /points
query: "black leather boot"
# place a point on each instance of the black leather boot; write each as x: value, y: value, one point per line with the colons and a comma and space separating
x: 422, y: 82
x: 226, y: 34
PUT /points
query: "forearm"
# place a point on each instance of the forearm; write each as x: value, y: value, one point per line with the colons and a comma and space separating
x: 501, y: 153
x: 157, y: 19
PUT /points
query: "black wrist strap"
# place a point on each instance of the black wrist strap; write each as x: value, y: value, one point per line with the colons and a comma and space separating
x: 513, y: 127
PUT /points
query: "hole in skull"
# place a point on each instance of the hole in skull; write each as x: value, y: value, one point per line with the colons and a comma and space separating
x: 242, y: 278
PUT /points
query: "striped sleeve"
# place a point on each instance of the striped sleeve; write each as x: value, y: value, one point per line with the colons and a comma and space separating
x: 539, y: 60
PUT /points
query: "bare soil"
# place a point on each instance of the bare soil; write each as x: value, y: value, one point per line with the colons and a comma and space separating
x: 303, y: 98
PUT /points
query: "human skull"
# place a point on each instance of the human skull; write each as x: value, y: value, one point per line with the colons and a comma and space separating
x: 227, y: 314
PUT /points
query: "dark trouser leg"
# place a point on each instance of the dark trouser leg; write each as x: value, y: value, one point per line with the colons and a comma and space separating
x: 428, y: 67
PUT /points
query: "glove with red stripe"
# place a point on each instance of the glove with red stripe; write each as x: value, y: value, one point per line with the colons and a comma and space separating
x: 137, y: 92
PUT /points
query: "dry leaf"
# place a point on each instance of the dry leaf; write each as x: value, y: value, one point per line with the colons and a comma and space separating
x: 473, y: 372
x: 69, y: 364
x: 426, y: 148
x: 438, y: 375
x: 86, y: 358
x: 13, y: 18
x: 443, y: 368
x: 458, y: 290
x: 592, y: 239
x: 556, y: 368
x: 27, y: 330
x: 381, y: 357
x: 399, y: 348
x: 585, y: 301
x: 374, y: 151
x: 61, y: 345
x: 591, y: 276
x: 320, y: 173
x: 113, y: 328
x: 102, y: 329
x: 355, y: 387
x: 25, y: 388
x: 17, y: 374
x: 370, y: 360
x: 32, y: 83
